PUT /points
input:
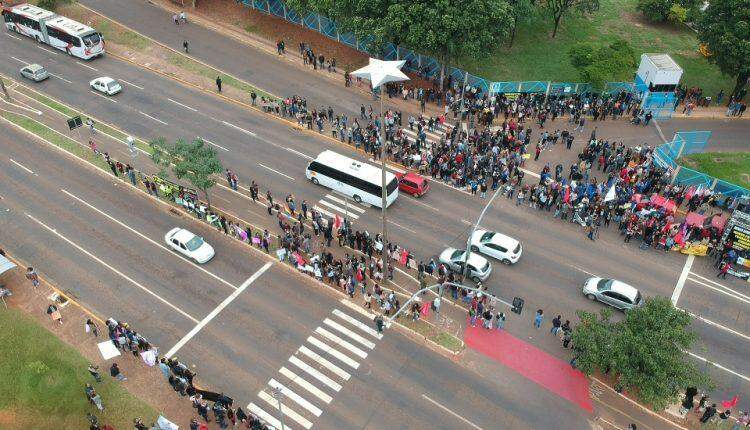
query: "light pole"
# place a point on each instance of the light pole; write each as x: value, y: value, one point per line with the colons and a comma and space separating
x: 465, y: 268
x: 380, y: 73
x: 278, y: 395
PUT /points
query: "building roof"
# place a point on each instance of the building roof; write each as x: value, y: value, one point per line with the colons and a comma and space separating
x: 663, y: 62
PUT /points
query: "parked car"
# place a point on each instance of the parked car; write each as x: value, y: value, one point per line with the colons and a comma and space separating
x: 412, y: 183
x: 612, y: 292
x: 35, y: 72
x: 496, y: 245
x: 479, y: 267
x: 189, y: 245
x: 106, y: 85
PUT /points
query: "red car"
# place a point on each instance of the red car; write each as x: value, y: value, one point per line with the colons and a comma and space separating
x: 412, y: 183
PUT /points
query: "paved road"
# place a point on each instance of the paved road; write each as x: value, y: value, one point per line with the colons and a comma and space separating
x: 557, y: 258
x: 102, y: 244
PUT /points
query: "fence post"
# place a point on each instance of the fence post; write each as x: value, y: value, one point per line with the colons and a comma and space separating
x: 283, y: 5
x: 682, y: 148
x: 268, y: 7
x: 319, y: 30
x: 397, y: 53
x: 674, y: 175
x: 520, y: 85
x: 713, y: 183
x: 546, y: 93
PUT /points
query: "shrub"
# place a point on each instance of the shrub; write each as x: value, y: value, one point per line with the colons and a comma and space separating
x: 598, y: 65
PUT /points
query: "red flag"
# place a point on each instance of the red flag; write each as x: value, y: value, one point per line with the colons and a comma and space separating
x: 337, y: 221
x: 729, y: 404
x: 566, y: 197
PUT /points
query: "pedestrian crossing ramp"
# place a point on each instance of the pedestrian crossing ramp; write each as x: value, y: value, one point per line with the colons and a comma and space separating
x: 312, y: 376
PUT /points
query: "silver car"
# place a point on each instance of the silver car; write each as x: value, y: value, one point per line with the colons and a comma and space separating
x: 35, y: 72
x: 612, y: 292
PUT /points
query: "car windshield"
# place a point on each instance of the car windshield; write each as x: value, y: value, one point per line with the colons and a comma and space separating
x: 457, y: 254
x: 487, y: 237
x: 518, y: 248
x: 194, y: 243
x: 604, y: 285
x: 638, y: 298
x: 112, y: 85
x: 91, y: 39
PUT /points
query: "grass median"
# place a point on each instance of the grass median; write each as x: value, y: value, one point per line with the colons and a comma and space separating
x: 433, y: 334
x: 43, y: 380
x: 732, y: 167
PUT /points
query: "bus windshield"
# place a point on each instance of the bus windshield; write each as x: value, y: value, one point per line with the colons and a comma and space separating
x: 91, y: 39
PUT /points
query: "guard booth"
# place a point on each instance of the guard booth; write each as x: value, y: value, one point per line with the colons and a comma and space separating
x: 656, y: 81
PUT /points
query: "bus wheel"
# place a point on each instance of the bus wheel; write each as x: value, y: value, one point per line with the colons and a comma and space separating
x: 315, y: 181
x: 357, y: 199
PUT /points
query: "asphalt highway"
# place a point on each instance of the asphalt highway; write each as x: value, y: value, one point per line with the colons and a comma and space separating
x: 557, y: 256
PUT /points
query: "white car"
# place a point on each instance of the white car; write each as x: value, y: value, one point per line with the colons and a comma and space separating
x: 106, y: 85
x: 496, y: 245
x: 189, y: 245
x: 612, y: 292
x: 479, y: 267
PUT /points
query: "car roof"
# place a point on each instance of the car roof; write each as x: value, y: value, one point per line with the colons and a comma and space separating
x: 34, y: 67
x: 183, y: 235
x: 624, y: 289
x: 477, y: 260
x: 105, y: 79
x: 411, y: 176
x: 497, y: 238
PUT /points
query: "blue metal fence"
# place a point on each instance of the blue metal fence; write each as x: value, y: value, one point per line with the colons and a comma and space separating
x: 661, y: 105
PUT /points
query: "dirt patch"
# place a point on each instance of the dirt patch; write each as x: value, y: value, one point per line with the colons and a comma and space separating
x: 637, y: 19
x: 9, y: 419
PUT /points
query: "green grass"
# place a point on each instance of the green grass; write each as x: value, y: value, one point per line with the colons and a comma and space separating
x: 121, y: 36
x: 433, y: 334
x: 43, y: 380
x: 733, y: 167
x: 189, y: 65
x: 535, y: 56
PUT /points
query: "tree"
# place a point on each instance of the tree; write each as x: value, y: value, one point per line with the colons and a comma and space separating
x: 558, y: 8
x: 194, y: 161
x: 447, y: 29
x: 645, y: 352
x: 724, y: 26
x: 521, y: 11
x: 598, y: 65
x: 667, y: 10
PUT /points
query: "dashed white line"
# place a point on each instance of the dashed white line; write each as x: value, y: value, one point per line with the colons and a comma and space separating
x: 183, y: 105
x: 293, y: 151
x: 15, y: 37
x: 20, y: 60
x: 276, y: 171
x: 416, y: 200
x: 102, y: 96
x: 155, y: 119
x: 131, y: 84
x: 229, y: 124
x: 45, y: 49
x: 715, y: 324
x: 212, y: 144
x: 730, y: 293
x: 681, y: 280
x: 719, y: 366
x: 60, y: 78
x: 583, y: 270
x: 86, y: 66
x: 401, y: 226
x: 23, y: 167
x: 451, y: 412
x: 185, y: 339
x: 124, y: 276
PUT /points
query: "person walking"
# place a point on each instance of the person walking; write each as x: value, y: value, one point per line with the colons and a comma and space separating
x: 185, y: 45
x: 91, y: 327
x: 556, y: 323
x: 500, y: 320
x: 723, y: 269
x: 54, y: 313
x: 538, y: 318
x: 218, y: 83
x: 114, y: 371
x: 94, y: 371
x: 708, y: 413
x: 379, y: 323
x: 32, y: 276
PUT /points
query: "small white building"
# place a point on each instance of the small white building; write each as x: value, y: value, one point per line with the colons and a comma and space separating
x: 658, y: 73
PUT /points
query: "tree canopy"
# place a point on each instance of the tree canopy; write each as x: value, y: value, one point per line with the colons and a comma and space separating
x: 195, y: 161
x: 645, y: 352
x: 667, y: 10
x: 599, y: 65
x: 724, y: 26
x: 559, y: 8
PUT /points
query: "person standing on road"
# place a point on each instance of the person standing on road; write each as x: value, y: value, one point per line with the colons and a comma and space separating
x: 723, y: 269
x: 379, y: 323
x: 185, y: 45
x: 32, y: 276
x: 556, y: 323
x: 538, y: 318
x: 114, y: 371
x: 218, y: 83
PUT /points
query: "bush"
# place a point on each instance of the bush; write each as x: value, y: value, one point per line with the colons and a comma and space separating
x: 677, y: 14
x: 581, y: 55
x: 48, y: 4
x: 675, y: 11
x: 598, y: 65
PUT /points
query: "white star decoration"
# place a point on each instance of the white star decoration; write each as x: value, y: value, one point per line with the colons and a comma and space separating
x: 381, y: 72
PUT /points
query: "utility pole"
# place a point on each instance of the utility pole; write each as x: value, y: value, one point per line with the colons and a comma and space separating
x: 384, y: 188
x: 465, y: 268
x: 278, y: 395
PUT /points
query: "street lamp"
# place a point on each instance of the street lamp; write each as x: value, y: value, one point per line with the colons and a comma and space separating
x: 279, y: 395
x: 465, y: 268
x: 379, y: 73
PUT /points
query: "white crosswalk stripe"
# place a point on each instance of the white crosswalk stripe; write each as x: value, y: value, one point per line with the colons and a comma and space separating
x: 347, y: 204
x: 334, y: 352
x: 306, y: 385
x: 357, y: 323
x: 343, y: 211
x: 341, y: 373
x: 323, y: 211
x: 341, y: 342
x: 315, y: 374
x: 265, y: 416
x: 286, y: 410
x: 296, y: 397
x: 341, y: 329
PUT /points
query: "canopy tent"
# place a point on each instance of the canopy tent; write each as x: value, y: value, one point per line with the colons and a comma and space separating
x: 719, y: 221
x: 5, y: 264
x: 663, y: 202
x: 694, y: 219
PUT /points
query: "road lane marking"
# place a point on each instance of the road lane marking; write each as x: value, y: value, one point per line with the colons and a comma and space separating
x: 23, y: 167
x: 218, y: 310
x: 143, y: 236
x: 212, y: 144
x: 731, y: 294
x: 451, y: 412
x: 122, y: 275
x: 131, y: 84
x: 401, y: 226
x: 416, y: 200
x: 20, y: 61
x: 343, y: 374
x: 369, y: 315
x: 286, y: 410
x: 265, y: 416
x: 466, y: 222
x: 334, y: 352
x: 306, y: 385
x: 299, y: 153
x: 583, y: 270
x: 359, y: 324
x: 296, y: 397
x: 155, y: 119
x: 86, y: 66
x: 339, y: 209
x: 715, y: 324
x: 341, y: 329
x: 722, y: 286
x: 341, y: 342
x: 345, y: 203
x: 276, y: 171
x: 45, y: 49
x: 102, y: 96
x: 60, y: 78
x: 10, y: 35
x: 183, y: 105
x: 719, y: 366
x: 315, y: 374
x: 681, y: 280
x: 324, y: 212
x: 229, y: 124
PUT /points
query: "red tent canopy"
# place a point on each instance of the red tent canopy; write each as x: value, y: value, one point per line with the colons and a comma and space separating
x: 719, y: 221
x: 694, y: 219
x: 663, y: 202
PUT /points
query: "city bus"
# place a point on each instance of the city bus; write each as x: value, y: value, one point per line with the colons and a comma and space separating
x: 57, y: 31
x: 352, y: 178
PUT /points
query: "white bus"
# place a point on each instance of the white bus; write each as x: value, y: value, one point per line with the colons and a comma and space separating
x: 358, y: 180
x: 56, y: 31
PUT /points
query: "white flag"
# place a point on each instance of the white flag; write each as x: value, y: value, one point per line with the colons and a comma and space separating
x: 610, y: 194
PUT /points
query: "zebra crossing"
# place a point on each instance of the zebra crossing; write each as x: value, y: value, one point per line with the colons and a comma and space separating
x: 432, y: 136
x: 330, y: 205
x: 317, y: 370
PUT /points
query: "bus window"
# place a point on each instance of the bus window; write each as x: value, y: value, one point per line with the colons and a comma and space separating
x: 92, y: 39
